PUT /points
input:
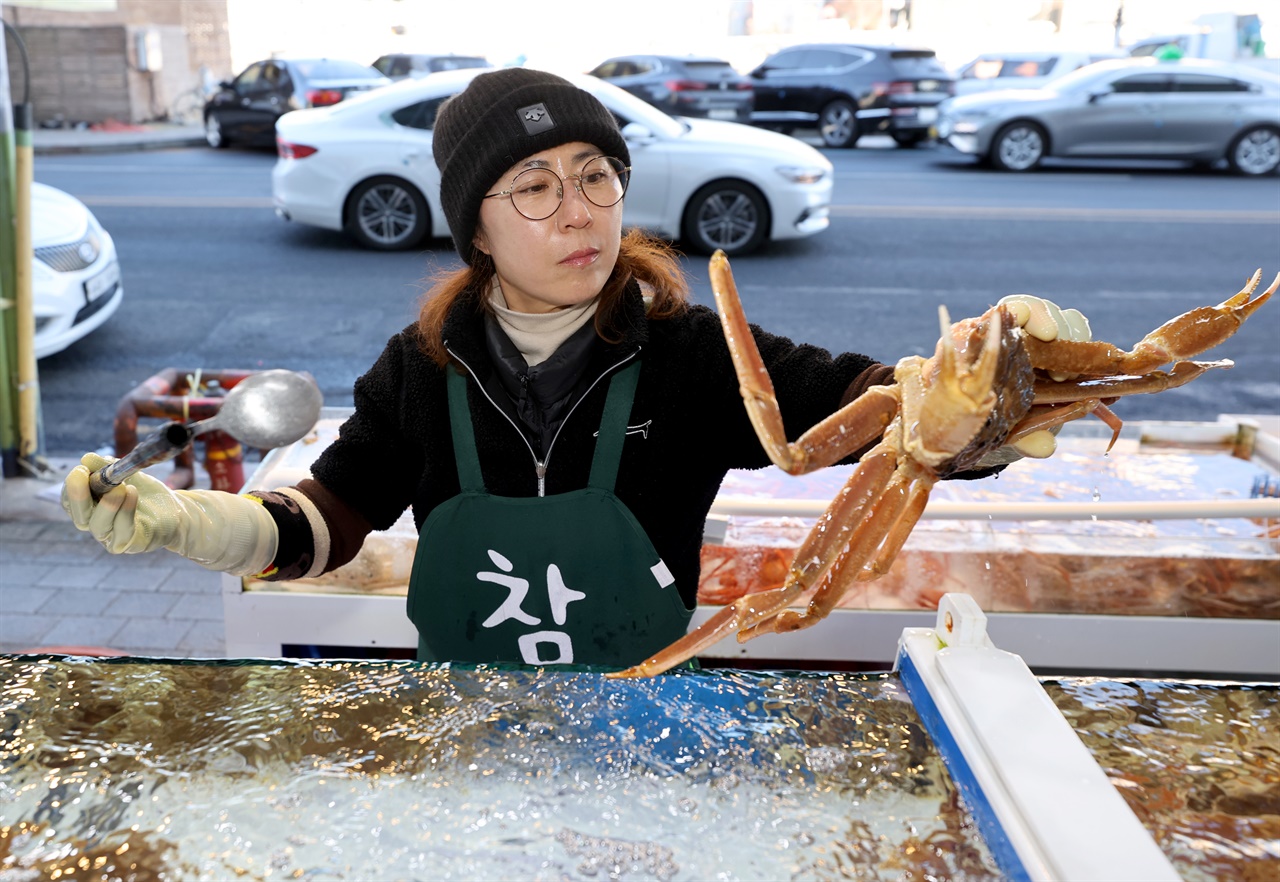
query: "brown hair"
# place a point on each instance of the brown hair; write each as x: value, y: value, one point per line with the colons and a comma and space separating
x: 640, y: 256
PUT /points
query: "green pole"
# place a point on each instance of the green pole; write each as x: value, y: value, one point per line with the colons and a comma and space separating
x: 9, y: 432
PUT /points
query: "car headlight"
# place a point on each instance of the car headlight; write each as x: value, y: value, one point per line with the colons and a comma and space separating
x: 802, y: 174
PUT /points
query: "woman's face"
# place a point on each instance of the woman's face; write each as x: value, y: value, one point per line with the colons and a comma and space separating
x: 560, y: 261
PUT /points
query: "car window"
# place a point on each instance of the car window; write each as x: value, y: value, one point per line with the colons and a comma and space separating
x: 991, y: 68
x: 384, y: 65
x: 787, y: 60
x: 1015, y: 67
x: 604, y: 70
x: 1206, y: 83
x: 274, y: 78
x: 640, y: 66
x: 1146, y: 82
x: 248, y: 80
x: 827, y: 59
x: 421, y: 115
x: 910, y: 63
x: 982, y: 69
x: 709, y: 70
x: 458, y: 62
x: 331, y: 69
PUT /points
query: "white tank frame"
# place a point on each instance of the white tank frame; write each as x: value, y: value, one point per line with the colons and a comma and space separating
x: 1046, y: 809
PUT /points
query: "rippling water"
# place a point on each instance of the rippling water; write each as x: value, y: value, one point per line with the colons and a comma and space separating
x: 361, y: 770
x: 1199, y: 764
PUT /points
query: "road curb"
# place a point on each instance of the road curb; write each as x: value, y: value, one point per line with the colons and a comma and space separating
x: 116, y: 147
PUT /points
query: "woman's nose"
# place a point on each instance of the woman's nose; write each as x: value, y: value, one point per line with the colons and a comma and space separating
x: 574, y: 208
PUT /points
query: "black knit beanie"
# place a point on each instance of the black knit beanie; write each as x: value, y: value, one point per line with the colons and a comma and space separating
x: 501, y: 118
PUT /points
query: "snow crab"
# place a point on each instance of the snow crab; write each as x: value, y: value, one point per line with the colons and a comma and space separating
x: 988, y: 384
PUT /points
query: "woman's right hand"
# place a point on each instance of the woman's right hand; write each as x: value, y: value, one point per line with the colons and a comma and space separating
x: 141, y: 514
x: 220, y: 531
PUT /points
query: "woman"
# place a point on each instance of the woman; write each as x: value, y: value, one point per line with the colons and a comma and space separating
x: 559, y: 417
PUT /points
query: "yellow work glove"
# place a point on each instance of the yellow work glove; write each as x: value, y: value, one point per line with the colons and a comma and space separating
x: 220, y: 531
x: 1044, y: 320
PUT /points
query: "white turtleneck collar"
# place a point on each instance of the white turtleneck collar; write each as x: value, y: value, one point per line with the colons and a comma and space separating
x: 538, y: 335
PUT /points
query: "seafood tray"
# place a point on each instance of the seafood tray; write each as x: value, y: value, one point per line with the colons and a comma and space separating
x: 1176, y: 556
x: 1158, y: 562
x: 152, y: 768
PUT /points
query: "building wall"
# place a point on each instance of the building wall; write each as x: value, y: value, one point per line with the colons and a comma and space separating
x: 84, y: 65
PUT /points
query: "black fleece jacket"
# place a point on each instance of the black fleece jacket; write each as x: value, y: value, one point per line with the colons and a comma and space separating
x: 687, y: 428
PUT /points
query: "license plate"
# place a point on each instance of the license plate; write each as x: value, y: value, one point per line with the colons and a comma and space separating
x: 927, y: 114
x: 722, y: 113
x: 102, y: 283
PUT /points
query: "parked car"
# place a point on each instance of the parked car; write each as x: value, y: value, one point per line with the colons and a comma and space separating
x: 1133, y: 108
x: 246, y: 109
x: 689, y: 86
x: 75, y: 274
x: 848, y: 91
x: 1021, y: 70
x: 400, y: 65
x: 365, y: 166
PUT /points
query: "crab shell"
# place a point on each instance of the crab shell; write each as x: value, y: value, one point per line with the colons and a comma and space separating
x: 1014, y: 385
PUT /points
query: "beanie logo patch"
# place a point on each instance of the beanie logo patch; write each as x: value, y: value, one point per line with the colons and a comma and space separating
x: 535, y: 119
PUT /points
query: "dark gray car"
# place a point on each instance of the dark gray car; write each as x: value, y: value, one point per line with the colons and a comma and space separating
x: 246, y: 109
x: 683, y: 86
x: 1134, y: 108
x: 848, y: 91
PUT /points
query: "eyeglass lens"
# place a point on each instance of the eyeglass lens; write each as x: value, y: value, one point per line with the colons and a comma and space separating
x: 537, y: 192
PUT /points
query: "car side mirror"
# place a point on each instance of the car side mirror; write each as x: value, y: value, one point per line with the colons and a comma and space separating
x: 759, y: 72
x: 637, y: 133
x: 1095, y: 96
x: 226, y: 84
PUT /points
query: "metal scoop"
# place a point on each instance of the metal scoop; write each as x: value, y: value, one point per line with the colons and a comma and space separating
x: 265, y: 410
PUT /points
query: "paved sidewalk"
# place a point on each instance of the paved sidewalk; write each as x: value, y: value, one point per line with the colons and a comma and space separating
x: 147, y: 136
x: 60, y: 589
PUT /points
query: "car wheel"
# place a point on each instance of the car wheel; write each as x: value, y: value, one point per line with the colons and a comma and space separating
x: 909, y: 141
x: 1255, y: 152
x: 728, y: 215
x: 838, y: 124
x: 1019, y: 146
x: 387, y: 214
x: 213, y: 132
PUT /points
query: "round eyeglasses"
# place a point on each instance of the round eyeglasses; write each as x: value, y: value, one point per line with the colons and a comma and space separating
x: 537, y: 192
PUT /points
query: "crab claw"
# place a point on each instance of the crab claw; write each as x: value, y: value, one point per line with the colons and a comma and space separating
x: 960, y: 394
x: 1199, y: 330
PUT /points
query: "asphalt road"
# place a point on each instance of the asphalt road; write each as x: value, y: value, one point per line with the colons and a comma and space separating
x: 214, y: 280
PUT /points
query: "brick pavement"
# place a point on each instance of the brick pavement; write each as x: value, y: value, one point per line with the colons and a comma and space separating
x: 59, y: 588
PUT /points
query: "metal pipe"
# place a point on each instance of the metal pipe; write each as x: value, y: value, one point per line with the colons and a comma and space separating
x: 28, y: 385
x: 1154, y: 510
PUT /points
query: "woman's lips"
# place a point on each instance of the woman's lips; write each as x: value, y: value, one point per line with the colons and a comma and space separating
x: 581, y: 258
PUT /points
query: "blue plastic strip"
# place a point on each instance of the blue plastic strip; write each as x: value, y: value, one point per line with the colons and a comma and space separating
x: 974, y: 796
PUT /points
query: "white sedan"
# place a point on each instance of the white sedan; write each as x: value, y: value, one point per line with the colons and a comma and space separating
x: 365, y: 166
x: 75, y: 275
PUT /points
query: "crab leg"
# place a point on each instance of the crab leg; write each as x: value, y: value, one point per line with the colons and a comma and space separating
x: 1048, y: 392
x: 881, y: 536
x: 853, y: 426
x: 854, y: 504
x: 1176, y: 340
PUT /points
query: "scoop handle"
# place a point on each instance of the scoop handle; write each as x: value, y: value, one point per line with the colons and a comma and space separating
x: 163, y: 444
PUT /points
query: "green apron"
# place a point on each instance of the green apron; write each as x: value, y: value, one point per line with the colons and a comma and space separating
x: 564, y: 579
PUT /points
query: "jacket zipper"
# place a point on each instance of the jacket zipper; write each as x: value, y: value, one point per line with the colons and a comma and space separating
x: 540, y: 466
